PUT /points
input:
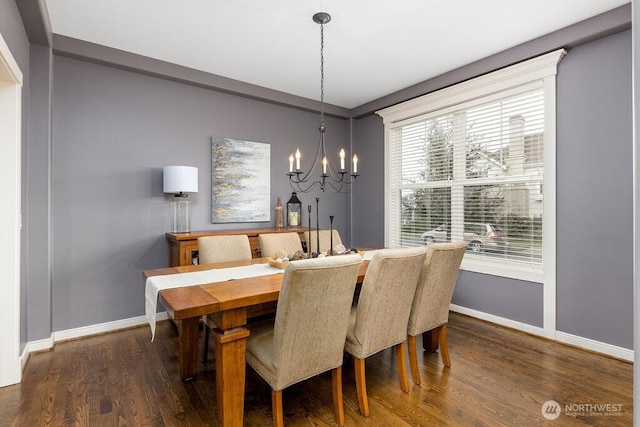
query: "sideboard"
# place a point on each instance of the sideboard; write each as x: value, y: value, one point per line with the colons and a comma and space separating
x: 183, y: 247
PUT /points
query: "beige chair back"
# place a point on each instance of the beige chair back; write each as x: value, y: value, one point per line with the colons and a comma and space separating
x: 384, y: 305
x: 325, y: 240
x: 271, y: 243
x: 435, y: 287
x: 223, y: 248
x: 311, y: 321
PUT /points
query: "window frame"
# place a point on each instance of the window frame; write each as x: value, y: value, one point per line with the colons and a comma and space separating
x: 539, y: 71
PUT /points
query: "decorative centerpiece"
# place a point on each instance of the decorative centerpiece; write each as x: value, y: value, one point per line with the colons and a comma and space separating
x: 281, y: 258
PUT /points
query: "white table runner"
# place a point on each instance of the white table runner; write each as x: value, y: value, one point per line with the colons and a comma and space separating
x: 155, y: 284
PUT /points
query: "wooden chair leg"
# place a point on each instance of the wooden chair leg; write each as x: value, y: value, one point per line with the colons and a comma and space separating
x: 402, y: 367
x: 276, y: 408
x: 361, y: 386
x: 444, y: 346
x: 413, y: 359
x: 336, y: 386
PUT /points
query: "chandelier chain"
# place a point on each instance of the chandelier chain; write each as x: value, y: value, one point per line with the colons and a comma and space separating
x: 322, y: 75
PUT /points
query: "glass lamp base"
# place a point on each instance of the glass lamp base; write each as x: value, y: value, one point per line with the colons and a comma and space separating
x: 180, y: 218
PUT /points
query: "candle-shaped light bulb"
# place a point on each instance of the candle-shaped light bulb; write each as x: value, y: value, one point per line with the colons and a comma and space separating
x: 291, y: 163
x: 342, y: 154
x: 355, y: 164
x: 297, y: 158
x: 324, y: 165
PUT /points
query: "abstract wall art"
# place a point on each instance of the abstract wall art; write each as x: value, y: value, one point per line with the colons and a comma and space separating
x: 240, y: 181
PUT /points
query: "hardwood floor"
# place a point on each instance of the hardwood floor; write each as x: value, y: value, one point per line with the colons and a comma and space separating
x: 498, y: 377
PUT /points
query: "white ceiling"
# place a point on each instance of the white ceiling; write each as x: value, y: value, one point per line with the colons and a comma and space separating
x: 372, y: 48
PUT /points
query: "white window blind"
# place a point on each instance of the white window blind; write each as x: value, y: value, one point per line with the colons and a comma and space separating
x: 474, y: 174
x: 468, y: 163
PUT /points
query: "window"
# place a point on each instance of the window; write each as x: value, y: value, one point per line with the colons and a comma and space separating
x: 470, y: 163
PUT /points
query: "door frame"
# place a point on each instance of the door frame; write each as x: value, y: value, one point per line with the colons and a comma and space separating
x: 10, y: 215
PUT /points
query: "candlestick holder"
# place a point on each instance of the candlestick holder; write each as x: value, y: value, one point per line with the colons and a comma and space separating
x: 309, y: 242
x: 318, y: 225
x: 331, y: 235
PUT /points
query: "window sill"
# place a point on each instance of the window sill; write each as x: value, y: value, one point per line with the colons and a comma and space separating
x: 509, y: 269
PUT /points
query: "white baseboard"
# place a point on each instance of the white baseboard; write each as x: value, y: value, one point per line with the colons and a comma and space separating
x: 40, y: 345
x: 530, y: 329
x: 563, y: 337
x: 101, y: 328
x: 24, y: 358
x: 597, y: 346
x: 85, y: 331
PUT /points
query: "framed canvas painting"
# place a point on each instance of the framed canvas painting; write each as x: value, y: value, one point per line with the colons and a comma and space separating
x: 240, y: 181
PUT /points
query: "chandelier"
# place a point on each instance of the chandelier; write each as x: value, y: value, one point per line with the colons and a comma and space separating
x: 338, y: 180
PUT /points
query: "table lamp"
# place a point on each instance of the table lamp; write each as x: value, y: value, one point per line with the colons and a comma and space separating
x: 180, y: 180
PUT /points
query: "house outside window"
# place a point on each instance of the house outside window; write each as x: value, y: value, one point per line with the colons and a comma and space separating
x: 476, y: 162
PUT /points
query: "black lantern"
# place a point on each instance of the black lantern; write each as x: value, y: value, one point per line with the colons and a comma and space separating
x: 294, y: 211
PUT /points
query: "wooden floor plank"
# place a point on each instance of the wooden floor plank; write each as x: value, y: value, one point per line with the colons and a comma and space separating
x: 498, y: 377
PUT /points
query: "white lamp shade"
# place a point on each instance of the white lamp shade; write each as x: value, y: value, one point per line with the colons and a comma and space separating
x: 176, y: 179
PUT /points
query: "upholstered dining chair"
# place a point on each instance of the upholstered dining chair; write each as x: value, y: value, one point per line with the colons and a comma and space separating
x: 379, y: 320
x: 223, y: 248
x: 310, y: 327
x: 325, y: 240
x: 430, y: 309
x: 271, y: 243
x: 220, y: 249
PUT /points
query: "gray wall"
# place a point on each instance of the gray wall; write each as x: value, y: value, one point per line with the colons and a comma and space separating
x: 113, y: 132
x: 368, y: 196
x: 595, y: 194
x: 37, y: 222
x: 14, y: 34
x: 16, y: 38
x: 594, y: 203
x: 509, y: 298
x: 636, y: 194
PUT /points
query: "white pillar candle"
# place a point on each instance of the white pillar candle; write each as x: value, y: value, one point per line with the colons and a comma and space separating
x: 342, y: 154
x: 324, y: 165
x: 297, y: 159
x: 291, y: 163
x: 294, y: 218
x: 355, y: 164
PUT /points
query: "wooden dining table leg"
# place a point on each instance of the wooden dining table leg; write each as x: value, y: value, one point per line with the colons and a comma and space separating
x: 230, y: 347
x: 188, y: 337
x: 430, y: 340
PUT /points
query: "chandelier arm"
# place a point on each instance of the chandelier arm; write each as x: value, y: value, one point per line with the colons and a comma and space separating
x: 335, y: 189
x: 342, y: 176
x: 348, y: 181
x: 316, y: 161
x: 342, y: 189
x: 336, y: 174
x: 296, y: 185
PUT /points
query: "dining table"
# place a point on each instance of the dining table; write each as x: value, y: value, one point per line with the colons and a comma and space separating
x: 228, y: 302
